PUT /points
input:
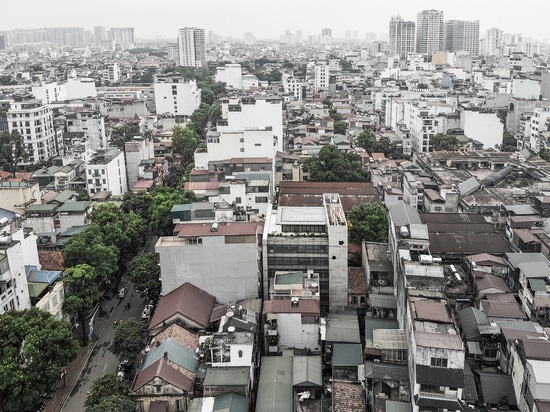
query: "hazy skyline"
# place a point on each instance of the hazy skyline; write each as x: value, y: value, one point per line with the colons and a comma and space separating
x: 163, y: 18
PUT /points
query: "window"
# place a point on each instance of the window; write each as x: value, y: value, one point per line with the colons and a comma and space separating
x: 158, y: 388
x: 261, y: 199
x: 242, y: 149
x: 238, y: 199
x: 440, y: 362
x: 240, y: 354
x: 241, y: 140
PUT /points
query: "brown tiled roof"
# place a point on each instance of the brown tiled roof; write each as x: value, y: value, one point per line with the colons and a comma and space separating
x: 431, y: 310
x: 495, y: 309
x: 224, y: 229
x: 468, y: 242
x: 357, y: 281
x: 536, y: 349
x: 178, y: 334
x: 51, y: 260
x: 310, y: 307
x: 348, y: 397
x: 187, y: 301
x: 486, y: 281
x: 218, y: 312
x: 202, y: 185
x: 167, y: 371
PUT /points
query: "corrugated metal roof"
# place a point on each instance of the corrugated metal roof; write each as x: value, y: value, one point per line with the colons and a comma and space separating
x: 347, y: 354
x: 275, y: 385
x: 227, y: 376
x: 307, y: 371
x: 230, y: 402
x: 176, y: 353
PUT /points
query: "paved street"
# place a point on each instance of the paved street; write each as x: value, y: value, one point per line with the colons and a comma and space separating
x: 101, y: 359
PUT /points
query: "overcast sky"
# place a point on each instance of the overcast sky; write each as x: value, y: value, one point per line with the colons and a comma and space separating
x: 269, y: 19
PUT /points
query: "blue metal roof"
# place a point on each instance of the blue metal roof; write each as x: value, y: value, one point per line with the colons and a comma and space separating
x: 41, y: 276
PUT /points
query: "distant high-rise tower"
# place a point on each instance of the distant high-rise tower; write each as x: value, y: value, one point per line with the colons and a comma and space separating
x: 429, y: 34
x: 493, y: 42
x: 192, y: 47
x: 401, y: 37
x: 461, y: 35
x: 123, y: 37
x: 326, y: 32
x: 100, y: 34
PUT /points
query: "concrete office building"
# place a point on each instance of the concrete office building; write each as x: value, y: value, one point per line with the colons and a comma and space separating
x: 402, y: 37
x: 460, y: 35
x: 429, y: 31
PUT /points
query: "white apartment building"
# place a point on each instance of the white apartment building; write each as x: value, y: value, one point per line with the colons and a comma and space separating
x: 191, y: 47
x: 294, y: 86
x: 460, y: 35
x: 231, y: 75
x: 483, y: 127
x: 221, y: 259
x: 492, y: 43
x: 50, y: 92
x: 107, y: 172
x: 14, y: 292
x: 321, y: 77
x: 402, y: 37
x: 92, y: 123
x: 136, y: 150
x: 111, y: 74
x: 176, y: 96
x: 429, y: 31
x: 422, y: 119
x: 539, y: 127
x: 34, y: 121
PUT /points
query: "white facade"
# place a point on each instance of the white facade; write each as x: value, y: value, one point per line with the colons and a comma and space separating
x: 402, y: 37
x: 483, y: 127
x: 429, y: 34
x: 321, y: 79
x: 231, y: 75
x: 421, y: 118
x: 136, y: 150
x: 176, y: 96
x: 14, y: 292
x: 539, y: 124
x: 526, y: 89
x: 50, y: 92
x: 212, y: 261
x: 80, y: 88
x: 191, y: 47
x: 34, y: 121
x: 90, y: 122
x: 107, y: 172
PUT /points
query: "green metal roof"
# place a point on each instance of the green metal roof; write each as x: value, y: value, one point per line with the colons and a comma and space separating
x: 230, y: 402
x: 36, y: 289
x: 63, y: 196
x: 294, y: 278
x: 177, y: 353
x: 230, y: 376
x: 49, y: 207
x: 77, y: 206
x: 347, y: 354
x: 275, y: 386
x: 307, y: 371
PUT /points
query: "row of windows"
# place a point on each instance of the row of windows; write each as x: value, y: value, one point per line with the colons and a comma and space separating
x: 292, y: 249
x: 296, y: 262
x: 304, y: 229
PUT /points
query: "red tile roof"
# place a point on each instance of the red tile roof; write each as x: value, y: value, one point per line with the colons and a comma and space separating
x: 167, y: 371
x: 187, y: 301
x: 310, y: 307
x: 431, y: 310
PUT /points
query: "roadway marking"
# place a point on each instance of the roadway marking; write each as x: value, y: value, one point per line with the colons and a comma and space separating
x: 105, y: 367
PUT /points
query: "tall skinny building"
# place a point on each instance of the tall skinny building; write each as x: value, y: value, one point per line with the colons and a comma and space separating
x: 429, y: 34
x: 192, y: 47
x: 401, y: 37
x: 461, y: 35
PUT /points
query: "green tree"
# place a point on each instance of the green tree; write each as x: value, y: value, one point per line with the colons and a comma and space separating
x: 368, y: 222
x: 340, y: 127
x: 334, y: 165
x: 176, y: 177
x: 122, y: 134
x: 88, y: 247
x: 112, y: 403
x: 130, y: 339
x: 544, y: 153
x: 367, y: 140
x: 184, y: 142
x: 144, y: 272
x: 12, y: 150
x: 109, y: 385
x: 509, y: 143
x: 164, y: 199
x: 34, y: 346
x: 125, y: 231
x: 82, y: 295
x: 137, y: 202
x: 443, y: 142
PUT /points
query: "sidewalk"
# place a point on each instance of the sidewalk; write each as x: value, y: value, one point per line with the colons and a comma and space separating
x: 74, y: 369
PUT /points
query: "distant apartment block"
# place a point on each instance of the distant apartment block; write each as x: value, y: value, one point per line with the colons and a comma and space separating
x: 460, y: 35
x: 192, y: 47
x: 402, y: 37
x: 106, y: 172
x: 429, y: 34
x: 176, y: 96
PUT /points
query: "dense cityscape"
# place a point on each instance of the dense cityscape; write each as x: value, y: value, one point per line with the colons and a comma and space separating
x: 313, y: 223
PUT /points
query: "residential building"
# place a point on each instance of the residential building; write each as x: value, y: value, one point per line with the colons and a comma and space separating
x: 321, y: 77
x: 106, y: 172
x: 139, y: 150
x: 191, y: 47
x: 92, y: 123
x: 34, y: 121
x: 402, y: 37
x: 233, y: 275
x: 429, y: 31
x: 460, y: 35
x: 492, y: 44
x: 231, y: 75
x: 176, y: 96
x: 123, y: 37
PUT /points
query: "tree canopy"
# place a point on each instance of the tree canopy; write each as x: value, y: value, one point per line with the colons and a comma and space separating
x: 334, y: 165
x: 111, y: 390
x: 184, y: 142
x: 144, y: 272
x: 509, y: 143
x: 164, y: 199
x: 137, y: 202
x: 443, y: 142
x: 368, y: 222
x: 12, y: 150
x: 82, y: 293
x: 122, y: 134
x: 34, y: 346
x: 130, y: 339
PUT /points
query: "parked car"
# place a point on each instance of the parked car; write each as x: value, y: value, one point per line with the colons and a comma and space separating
x: 146, y: 314
x: 123, y: 368
x: 122, y: 292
